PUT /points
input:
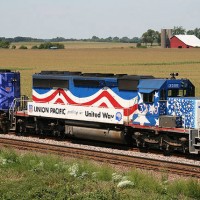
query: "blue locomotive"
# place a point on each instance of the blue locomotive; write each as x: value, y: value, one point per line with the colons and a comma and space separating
x: 118, y: 108
x: 9, y: 90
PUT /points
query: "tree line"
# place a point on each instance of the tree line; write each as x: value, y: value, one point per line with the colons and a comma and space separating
x: 61, y: 39
x: 149, y: 37
x: 152, y: 36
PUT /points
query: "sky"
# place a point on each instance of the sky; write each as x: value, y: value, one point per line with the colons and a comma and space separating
x: 82, y: 19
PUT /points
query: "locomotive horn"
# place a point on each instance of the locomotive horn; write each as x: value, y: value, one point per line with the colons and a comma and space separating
x: 173, y: 75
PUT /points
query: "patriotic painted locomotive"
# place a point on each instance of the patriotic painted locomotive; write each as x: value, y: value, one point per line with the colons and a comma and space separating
x: 131, y: 109
x: 9, y: 90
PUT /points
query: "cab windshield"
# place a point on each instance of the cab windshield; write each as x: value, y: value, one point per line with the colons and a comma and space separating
x: 177, y: 93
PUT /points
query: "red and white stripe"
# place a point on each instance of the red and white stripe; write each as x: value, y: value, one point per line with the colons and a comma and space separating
x: 103, y: 98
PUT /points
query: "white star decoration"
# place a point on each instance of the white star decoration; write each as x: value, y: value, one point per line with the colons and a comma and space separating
x: 156, y: 95
x: 157, y: 122
x: 140, y: 98
x: 141, y: 119
x: 152, y: 109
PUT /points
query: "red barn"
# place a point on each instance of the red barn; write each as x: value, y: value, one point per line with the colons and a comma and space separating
x: 184, y: 41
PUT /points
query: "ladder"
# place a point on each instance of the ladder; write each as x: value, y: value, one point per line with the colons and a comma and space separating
x: 18, y: 104
x: 194, y: 141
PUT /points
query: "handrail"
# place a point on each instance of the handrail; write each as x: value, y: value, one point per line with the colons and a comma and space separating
x: 16, y: 105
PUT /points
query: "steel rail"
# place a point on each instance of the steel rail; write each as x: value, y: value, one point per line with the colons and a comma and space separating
x: 106, y: 157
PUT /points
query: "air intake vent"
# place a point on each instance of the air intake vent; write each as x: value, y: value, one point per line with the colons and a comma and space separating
x: 4, y: 70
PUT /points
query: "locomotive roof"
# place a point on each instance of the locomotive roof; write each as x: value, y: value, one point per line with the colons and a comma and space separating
x: 149, y: 85
x: 63, y: 79
x: 5, y: 70
x: 67, y: 74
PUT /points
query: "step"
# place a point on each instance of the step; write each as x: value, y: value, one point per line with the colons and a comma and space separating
x: 197, y: 145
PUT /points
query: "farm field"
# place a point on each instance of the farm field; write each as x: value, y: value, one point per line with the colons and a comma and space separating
x: 80, y: 45
x: 107, y: 57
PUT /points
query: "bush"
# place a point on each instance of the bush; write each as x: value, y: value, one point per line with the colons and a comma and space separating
x: 4, y: 44
x: 49, y: 45
x: 139, y: 45
x: 34, y: 47
x: 13, y: 47
x: 23, y: 47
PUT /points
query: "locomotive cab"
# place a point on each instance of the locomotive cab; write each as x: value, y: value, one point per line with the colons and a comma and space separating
x: 177, y: 88
x: 168, y: 115
x: 153, y: 97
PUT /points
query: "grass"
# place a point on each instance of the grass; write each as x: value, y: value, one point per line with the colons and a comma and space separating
x: 109, y: 59
x: 157, y: 64
x: 32, y: 176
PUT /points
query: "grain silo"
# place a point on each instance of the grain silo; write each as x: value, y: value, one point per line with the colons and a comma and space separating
x: 166, y: 34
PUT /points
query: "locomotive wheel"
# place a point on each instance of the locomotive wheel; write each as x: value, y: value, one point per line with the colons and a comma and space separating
x: 5, y: 130
x: 62, y: 135
x: 20, y: 127
x: 167, y: 150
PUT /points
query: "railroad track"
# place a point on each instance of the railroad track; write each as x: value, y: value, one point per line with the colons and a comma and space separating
x: 106, y: 157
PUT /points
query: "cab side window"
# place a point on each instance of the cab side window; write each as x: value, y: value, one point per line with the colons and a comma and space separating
x: 148, y: 97
x: 163, y: 94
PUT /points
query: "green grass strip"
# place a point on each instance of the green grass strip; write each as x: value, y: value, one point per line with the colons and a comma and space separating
x: 17, y: 68
x: 156, y: 63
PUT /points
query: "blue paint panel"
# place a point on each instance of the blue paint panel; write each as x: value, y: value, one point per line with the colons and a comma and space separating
x: 153, y: 84
x: 9, y: 89
x: 83, y: 91
x: 184, y: 108
x: 147, y: 113
x: 162, y: 108
x: 42, y: 90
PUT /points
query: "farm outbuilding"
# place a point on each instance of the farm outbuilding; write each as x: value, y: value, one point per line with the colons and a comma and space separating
x: 184, y: 41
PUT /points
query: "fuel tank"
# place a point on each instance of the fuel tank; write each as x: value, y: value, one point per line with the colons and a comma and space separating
x: 104, y: 135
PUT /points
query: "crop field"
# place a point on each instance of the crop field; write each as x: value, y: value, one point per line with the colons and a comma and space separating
x: 80, y: 45
x: 106, y: 57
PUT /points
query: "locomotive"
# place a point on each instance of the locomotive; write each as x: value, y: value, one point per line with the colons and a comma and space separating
x: 9, y: 90
x: 117, y: 108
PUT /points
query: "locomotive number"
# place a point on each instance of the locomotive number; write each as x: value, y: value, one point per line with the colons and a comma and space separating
x: 173, y: 85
